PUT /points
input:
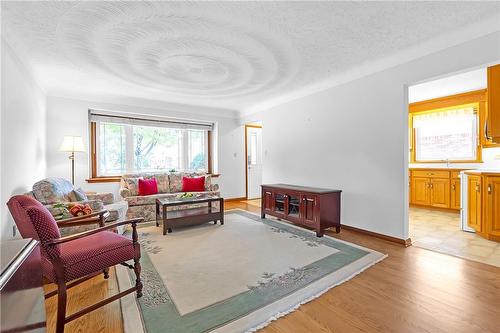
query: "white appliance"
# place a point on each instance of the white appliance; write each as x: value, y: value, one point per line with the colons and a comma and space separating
x: 463, y: 203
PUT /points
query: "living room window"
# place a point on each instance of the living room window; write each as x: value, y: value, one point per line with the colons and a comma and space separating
x: 445, y: 135
x: 126, y: 144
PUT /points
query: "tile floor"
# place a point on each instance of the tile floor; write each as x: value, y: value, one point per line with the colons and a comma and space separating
x: 440, y: 231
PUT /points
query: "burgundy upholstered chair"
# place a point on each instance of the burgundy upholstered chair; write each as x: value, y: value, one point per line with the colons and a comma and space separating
x: 68, y: 261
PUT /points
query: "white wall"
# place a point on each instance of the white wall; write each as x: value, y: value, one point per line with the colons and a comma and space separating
x: 449, y: 85
x: 22, y: 133
x: 70, y: 117
x: 354, y: 137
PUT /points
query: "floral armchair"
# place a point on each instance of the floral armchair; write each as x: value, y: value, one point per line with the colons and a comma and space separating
x: 57, y: 194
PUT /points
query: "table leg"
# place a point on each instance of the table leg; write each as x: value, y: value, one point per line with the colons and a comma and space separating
x: 164, y: 220
x: 221, y: 211
x: 157, y: 214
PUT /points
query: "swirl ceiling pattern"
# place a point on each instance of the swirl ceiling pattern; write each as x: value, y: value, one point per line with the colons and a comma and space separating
x: 228, y: 55
x: 181, y: 52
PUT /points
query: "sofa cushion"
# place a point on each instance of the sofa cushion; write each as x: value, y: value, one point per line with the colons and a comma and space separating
x: 193, y: 184
x: 147, y: 186
x: 162, y: 182
x: 130, y: 182
x: 51, y: 190
x: 94, y: 253
x: 175, y: 180
x: 78, y: 195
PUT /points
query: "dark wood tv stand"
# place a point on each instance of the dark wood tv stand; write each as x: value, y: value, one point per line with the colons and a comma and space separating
x: 316, y: 208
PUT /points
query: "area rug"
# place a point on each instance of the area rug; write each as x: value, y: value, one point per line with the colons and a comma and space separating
x: 235, y: 277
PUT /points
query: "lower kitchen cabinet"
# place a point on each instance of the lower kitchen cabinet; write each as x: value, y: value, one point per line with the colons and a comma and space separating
x: 483, y: 204
x: 435, y: 188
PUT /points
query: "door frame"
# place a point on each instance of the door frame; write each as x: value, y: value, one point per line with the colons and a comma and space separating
x: 246, y: 156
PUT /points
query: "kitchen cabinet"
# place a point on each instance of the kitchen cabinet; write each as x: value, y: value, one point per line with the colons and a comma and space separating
x: 420, y: 191
x: 483, y: 202
x: 440, y: 192
x: 474, y: 202
x: 492, y: 210
x: 455, y: 193
x: 493, y: 102
x: 435, y: 188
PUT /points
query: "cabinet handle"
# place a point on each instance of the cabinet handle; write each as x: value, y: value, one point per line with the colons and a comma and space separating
x: 478, y: 188
x: 453, y: 187
x: 489, y: 189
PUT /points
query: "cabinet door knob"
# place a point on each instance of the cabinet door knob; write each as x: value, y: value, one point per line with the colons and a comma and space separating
x: 489, y: 189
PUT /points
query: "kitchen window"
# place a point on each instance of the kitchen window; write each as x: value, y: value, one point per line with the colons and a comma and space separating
x: 449, y: 135
x: 123, y: 144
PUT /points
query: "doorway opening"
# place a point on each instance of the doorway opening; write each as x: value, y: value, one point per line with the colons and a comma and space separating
x: 448, y: 149
x: 253, y: 161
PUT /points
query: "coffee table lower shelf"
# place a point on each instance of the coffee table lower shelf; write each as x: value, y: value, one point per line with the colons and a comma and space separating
x: 188, y: 216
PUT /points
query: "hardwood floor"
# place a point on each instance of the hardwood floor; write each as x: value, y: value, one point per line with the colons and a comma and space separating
x: 413, y: 290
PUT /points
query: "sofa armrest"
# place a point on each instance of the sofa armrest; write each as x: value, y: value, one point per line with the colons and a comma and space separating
x: 70, y: 238
x: 106, y: 197
x: 125, y: 192
x: 213, y: 187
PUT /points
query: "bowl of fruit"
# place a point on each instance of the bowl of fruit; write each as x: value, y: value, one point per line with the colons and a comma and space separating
x: 186, y: 196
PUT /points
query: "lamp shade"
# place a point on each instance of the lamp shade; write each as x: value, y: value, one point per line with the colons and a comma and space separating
x: 72, y: 144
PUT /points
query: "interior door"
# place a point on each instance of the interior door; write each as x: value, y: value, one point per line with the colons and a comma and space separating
x: 254, y: 161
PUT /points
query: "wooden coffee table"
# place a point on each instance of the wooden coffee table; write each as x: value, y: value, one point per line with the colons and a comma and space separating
x: 188, y: 216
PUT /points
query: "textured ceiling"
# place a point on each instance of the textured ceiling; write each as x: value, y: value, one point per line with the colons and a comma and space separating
x: 230, y: 55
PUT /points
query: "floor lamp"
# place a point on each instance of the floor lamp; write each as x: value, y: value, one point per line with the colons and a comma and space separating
x: 72, y: 144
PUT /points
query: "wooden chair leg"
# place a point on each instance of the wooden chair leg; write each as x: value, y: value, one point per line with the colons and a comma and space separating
x: 106, y: 273
x: 138, y: 282
x: 61, y: 307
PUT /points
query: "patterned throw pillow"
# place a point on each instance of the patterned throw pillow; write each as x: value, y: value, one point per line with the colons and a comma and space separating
x: 132, y: 185
x: 162, y: 181
x: 78, y: 195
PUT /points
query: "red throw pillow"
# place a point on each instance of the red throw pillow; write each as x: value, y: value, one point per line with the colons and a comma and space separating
x: 148, y: 186
x: 193, y: 184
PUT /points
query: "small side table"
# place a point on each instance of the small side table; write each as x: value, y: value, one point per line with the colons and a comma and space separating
x: 188, y: 216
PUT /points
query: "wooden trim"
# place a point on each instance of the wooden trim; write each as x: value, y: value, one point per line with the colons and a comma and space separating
x: 104, y: 179
x: 246, y: 162
x: 449, y: 101
x: 246, y: 156
x: 400, y: 241
x: 235, y: 199
x: 94, y: 178
x: 93, y: 157
x: 209, y: 152
x: 439, y: 209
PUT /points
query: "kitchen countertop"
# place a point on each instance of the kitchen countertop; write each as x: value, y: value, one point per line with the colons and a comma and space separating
x: 483, y: 171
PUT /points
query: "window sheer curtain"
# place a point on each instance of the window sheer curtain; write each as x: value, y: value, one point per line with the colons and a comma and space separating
x: 446, y: 135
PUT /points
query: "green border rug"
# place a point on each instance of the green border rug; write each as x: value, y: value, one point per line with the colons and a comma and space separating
x: 259, y: 304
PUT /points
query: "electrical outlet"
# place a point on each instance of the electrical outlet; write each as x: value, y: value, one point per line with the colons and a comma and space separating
x: 497, y: 157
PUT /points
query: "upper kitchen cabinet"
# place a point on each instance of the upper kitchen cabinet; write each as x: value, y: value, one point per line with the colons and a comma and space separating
x: 493, y: 102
